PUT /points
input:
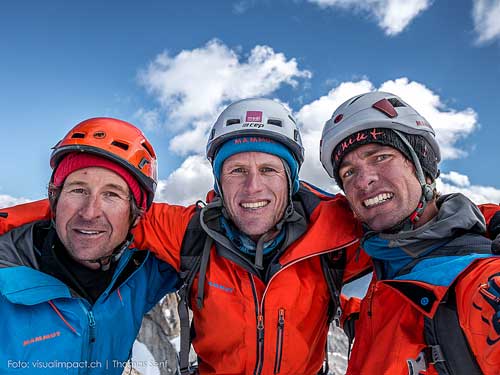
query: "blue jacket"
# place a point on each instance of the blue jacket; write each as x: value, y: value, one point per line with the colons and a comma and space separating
x: 46, y: 329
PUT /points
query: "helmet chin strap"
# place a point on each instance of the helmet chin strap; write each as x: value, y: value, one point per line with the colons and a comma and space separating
x: 106, y: 261
x: 427, y: 195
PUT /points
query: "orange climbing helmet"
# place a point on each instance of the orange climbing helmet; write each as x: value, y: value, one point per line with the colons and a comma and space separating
x: 116, y: 140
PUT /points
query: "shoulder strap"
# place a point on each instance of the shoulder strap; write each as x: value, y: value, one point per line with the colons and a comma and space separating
x: 448, y: 349
x: 192, y: 251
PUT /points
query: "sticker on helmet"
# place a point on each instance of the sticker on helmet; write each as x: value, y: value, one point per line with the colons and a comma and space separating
x: 254, y: 116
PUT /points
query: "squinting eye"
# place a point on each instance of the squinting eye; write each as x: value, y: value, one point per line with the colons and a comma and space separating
x: 267, y: 170
x: 78, y: 191
x: 382, y: 157
x: 110, y: 194
x: 238, y: 170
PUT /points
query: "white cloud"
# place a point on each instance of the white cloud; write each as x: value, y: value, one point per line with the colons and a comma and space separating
x: 454, y: 182
x: 456, y: 178
x: 194, y: 85
x: 393, y: 16
x: 190, y: 182
x: 486, y: 16
x: 8, y: 201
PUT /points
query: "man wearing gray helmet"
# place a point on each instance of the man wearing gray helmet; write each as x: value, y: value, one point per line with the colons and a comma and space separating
x: 433, y: 305
x: 256, y: 259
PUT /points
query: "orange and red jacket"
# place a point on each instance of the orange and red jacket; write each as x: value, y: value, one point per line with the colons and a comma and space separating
x: 247, y: 326
x: 390, y: 329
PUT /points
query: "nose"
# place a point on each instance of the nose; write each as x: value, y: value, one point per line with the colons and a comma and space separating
x: 91, y: 208
x: 253, y: 182
x: 365, y: 177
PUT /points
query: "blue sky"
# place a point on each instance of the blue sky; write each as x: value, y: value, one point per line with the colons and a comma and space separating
x: 170, y: 67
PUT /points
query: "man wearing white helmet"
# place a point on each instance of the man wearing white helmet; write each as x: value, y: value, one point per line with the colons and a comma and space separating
x: 256, y: 259
x: 433, y: 305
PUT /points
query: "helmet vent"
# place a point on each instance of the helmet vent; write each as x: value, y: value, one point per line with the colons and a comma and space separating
x: 396, y: 102
x: 292, y: 119
x: 121, y: 145
x: 148, y: 148
x: 232, y: 121
x: 356, y: 98
x: 275, y: 122
x: 78, y: 135
x: 296, y: 135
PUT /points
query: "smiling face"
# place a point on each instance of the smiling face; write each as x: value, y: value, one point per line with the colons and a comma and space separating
x: 380, y: 184
x: 93, y: 214
x: 255, y: 190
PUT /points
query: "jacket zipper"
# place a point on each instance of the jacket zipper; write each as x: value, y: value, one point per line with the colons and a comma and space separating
x: 91, y: 318
x: 260, y: 307
x: 260, y: 329
x: 370, y: 298
x: 279, y: 340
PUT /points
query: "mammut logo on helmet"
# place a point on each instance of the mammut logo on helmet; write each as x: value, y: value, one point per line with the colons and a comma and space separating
x: 99, y: 134
x: 253, y: 116
x: 238, y: 141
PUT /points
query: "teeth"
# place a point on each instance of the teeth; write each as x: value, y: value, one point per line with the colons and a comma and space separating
x: 88, y: 231
x: 254, y: 205
x: 378, y: 199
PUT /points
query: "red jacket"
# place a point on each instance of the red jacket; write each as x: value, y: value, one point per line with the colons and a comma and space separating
x: 289, y: 312
x: 391, y: 327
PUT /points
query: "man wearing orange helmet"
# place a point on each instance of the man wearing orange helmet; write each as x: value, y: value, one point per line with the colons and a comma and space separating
x: 72, y: 290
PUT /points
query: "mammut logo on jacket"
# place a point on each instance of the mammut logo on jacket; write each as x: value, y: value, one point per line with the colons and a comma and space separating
x: 221, y: 287
x: 42, y: 338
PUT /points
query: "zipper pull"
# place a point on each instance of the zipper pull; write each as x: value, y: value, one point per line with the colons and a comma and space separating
x: 281, y: 317
x: 91, y: 319
x: 260, y: 327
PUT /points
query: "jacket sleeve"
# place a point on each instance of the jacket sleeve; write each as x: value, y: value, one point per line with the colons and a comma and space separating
x: 478, y: 305
x: 491, y: 213
x: 16, y: 216
x: 162, y: 230
x: 163, y: 279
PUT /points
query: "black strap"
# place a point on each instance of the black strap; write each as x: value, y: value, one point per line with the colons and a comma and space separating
x: 448, y: 349
x: 333, y: 270
x: 203, y: 271
x: 183, y: 310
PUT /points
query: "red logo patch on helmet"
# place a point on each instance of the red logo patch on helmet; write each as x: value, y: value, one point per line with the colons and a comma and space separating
x: 338, y: 118
x: 254, y: 116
